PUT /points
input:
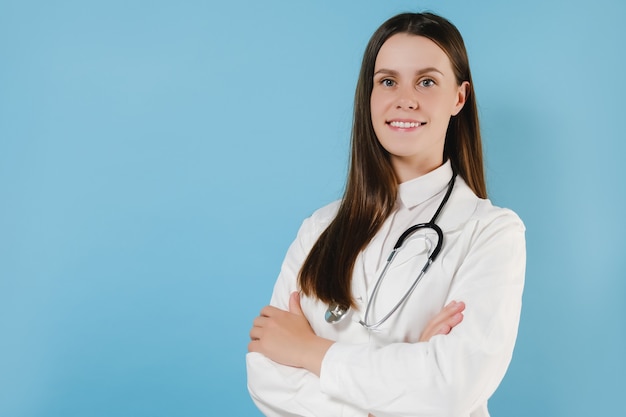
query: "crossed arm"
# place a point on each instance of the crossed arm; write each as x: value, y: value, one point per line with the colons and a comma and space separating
x: 287, y: 338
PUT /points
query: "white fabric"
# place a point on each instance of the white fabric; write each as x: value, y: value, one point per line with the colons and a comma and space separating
x: 387, y: 372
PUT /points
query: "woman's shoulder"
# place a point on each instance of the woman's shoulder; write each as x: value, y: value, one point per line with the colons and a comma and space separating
x: 468, y: 210
x: 317, y: 222
x: 488, y: 213
x: 322, y: 217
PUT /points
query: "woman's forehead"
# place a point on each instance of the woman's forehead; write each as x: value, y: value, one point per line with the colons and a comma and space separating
x: 411, y: 52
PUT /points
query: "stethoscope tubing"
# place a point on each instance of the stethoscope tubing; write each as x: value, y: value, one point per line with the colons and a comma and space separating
x: 431, y: 258
x: 336, y: 313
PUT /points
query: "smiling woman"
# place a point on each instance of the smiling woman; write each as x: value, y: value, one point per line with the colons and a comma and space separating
x: 347, y: 331
x: 415, y: 93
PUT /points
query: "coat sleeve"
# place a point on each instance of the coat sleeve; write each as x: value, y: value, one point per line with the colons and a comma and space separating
x: 450, y: 375
x: 284, y: 391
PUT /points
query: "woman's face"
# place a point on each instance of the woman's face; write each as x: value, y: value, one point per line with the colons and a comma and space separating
x: 414, y: 95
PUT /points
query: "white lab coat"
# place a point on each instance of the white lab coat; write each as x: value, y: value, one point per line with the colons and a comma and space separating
x: 387, y: 372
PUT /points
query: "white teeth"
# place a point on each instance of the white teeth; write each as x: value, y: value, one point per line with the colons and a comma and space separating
x: 405, y: 125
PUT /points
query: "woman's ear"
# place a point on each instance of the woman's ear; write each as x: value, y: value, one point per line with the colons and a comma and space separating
x: 461, y: 96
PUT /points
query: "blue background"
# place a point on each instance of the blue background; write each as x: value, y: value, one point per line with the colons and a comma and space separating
x: 157, y: 158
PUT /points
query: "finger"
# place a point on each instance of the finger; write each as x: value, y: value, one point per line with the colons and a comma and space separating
x: 260, y: 321
x: 443, y: 329
x: 453, y: 307
x: 294, y: 304
x: 253, y: 346
x: 268, y: 311
x: 459, y: 306
x: 450, y: 323
x: 446, y: 314
x: 255, y: 333
x: 444, y: 321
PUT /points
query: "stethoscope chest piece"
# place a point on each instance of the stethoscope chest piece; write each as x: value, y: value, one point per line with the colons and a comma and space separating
x: 335, y: 313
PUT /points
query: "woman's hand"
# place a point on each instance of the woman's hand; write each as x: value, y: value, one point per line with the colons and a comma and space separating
x: 287, y: 338
x: 444, y: 321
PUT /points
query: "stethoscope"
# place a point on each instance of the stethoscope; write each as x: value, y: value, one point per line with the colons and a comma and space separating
x: 335, y: 312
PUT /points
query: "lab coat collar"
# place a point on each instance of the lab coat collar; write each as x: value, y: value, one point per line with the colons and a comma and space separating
x: 418, y: 190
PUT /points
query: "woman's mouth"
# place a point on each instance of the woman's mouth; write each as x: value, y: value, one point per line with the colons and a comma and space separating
x: 404, y: 125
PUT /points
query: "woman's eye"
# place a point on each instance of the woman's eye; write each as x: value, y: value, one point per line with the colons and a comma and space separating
x: 388, y: 83
x: 427, y: 83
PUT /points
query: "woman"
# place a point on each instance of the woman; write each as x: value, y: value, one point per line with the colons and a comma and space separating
x: 333, y: 342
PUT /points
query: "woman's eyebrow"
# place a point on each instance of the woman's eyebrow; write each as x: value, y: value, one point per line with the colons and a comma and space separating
x: 386, y: 72
x: 429, y: 69
x: 418, y: 72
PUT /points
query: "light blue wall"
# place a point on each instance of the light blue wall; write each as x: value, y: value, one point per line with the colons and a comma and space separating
x: 156, y: 159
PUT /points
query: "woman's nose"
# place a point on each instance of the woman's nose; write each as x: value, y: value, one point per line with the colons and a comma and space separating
x: 407, y: 100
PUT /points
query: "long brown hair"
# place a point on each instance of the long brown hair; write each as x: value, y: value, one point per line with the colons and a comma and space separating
x: 372, y: 185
